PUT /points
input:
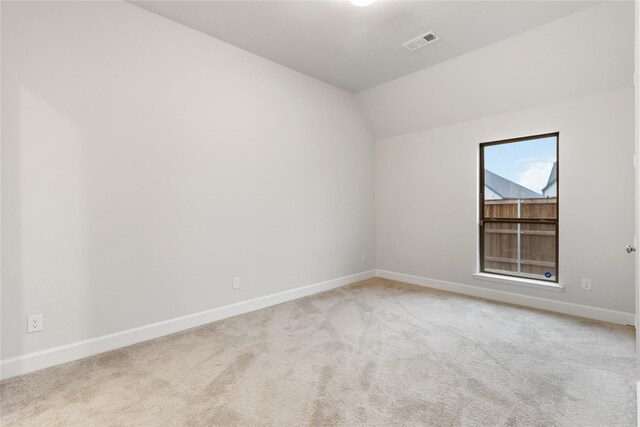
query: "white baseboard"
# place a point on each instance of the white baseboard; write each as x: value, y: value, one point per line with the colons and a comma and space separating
x: 54, y: 356
x: 513, y: 298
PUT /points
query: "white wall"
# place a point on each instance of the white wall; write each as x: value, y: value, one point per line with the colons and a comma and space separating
x: 427, y: 173
x: 145, y: 164
x: 637, y: 194
x: 588, y: 52
x: 426, y: 198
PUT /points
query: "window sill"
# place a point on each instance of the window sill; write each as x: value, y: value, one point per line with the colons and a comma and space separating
x: 529, y: 283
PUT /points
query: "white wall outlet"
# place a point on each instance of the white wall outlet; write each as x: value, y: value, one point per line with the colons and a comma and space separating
x: 363, y: 258
x: 236, y: 282
x: 586, y: 284
x: 35, y: 323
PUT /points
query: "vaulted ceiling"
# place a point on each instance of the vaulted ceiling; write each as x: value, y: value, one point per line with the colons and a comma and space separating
x: 356, y: 48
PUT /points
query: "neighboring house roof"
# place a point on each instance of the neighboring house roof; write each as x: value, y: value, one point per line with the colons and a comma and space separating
x: 552, y: 177
x: 508, y: 189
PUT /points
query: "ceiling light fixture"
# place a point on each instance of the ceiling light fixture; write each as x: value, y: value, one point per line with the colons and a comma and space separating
x: 361, y: 3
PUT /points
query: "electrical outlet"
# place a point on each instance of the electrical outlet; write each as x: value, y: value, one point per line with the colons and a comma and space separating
x: 35, y: 323
x: 586, y: 284
x: 236, y: 283
x: 363, y: 258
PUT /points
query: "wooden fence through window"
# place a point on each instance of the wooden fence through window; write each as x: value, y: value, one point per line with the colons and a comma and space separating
x: 524, y: 249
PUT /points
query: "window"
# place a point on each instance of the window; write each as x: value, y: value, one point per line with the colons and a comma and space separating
x: 519, y: 207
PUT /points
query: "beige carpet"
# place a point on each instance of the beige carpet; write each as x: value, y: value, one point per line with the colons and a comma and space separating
x: 373, y: 353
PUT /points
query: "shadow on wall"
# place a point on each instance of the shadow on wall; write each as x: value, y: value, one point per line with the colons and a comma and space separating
x: 45, y: 243
x: 67, y: 169
x: 75, y: 229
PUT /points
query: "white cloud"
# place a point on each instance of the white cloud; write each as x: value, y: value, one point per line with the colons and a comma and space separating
x: 527, y: 160
x: 536, y: 175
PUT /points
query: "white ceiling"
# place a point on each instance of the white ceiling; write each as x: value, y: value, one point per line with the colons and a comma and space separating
x: 357, y: 48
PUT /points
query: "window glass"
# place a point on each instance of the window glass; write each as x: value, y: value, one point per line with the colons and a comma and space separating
x: 519, y: 207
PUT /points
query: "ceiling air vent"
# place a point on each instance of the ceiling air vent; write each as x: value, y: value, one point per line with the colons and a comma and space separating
x: 420, y: 41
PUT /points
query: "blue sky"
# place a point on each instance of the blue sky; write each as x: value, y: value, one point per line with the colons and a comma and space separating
x: 528, y: 162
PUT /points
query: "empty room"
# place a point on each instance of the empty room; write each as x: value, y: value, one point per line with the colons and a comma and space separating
x: 319, y: 213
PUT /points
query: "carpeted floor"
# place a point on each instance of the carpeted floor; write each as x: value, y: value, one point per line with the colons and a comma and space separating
x: 373, y: 353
